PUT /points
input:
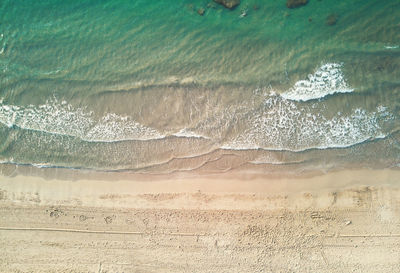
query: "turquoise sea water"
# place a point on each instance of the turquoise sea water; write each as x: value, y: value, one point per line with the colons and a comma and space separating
x: 154, y: 86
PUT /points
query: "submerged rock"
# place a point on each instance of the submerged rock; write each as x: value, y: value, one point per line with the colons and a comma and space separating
x: 291, y: 4
x: 201, y: 11
x: 331, y: 19
x: 229, y: 4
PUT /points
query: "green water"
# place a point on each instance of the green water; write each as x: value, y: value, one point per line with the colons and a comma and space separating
x: 135, y: 84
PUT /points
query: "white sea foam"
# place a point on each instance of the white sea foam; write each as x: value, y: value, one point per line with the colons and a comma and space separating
x: 4, y: 44
x: 276, y: 124
x: 64, y: 119
x: 392, y: 47
x: 326, y: 80
x: 284, y: 125
x: 42, y: 165
x: 113, y: 127
x: 37, y: 165
x: 188, y: 133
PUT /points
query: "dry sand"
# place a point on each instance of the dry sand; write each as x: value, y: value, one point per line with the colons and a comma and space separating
x: 345, y: 221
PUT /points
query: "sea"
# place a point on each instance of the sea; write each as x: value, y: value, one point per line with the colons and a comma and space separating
x: 191, y: 86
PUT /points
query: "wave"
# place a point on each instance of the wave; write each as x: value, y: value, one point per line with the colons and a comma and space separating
x: 392, y: 47
x: 63, y: 119
x: 189, y: 134
x: 239, y: 146
x: 265, y: 120
x: 283, y: 125
x: 326, y: 80
x: 3, y: 47
x: 36, y: 165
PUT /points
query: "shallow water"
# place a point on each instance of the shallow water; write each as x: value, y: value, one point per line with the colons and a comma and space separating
x: 155, y: 87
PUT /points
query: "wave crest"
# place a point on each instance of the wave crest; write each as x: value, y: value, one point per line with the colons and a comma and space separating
x: 326, y: 80
x: 63, y: 119
x: 285, y: 125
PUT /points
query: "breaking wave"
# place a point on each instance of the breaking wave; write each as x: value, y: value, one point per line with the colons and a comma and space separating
x: 266, y: 121
x: 285, y: 125
x: 326, y: 80
x: 63, y: 119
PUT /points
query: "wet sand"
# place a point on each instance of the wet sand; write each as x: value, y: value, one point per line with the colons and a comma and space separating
x: 344, y: 221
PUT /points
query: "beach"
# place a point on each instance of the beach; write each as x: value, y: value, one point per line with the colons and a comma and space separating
x: 223, y: 223
x: 199, y: 136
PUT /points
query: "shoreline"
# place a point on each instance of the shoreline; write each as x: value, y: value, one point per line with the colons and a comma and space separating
x: 188, y: 192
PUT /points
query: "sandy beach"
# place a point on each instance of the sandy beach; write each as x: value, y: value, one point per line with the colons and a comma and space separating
x: 344, y: 221
x: 219, y: 136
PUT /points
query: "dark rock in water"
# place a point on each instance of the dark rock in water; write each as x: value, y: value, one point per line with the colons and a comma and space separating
x: 201, y: 11
x: 291, y: 4
x: 229, y: 4
x: 331, y: 20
